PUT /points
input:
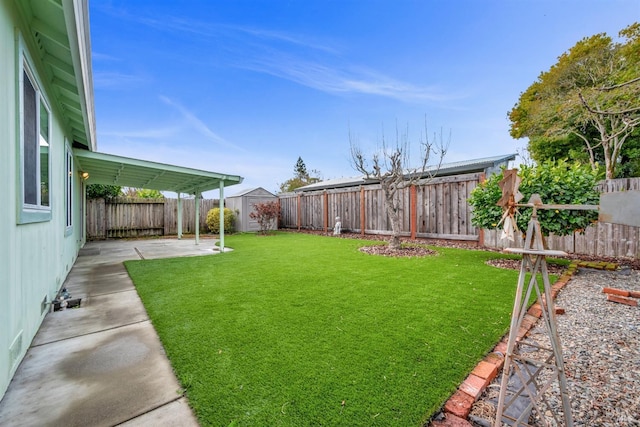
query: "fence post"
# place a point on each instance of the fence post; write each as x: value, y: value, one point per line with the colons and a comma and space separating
x: 362, y: 211
x: 413, y: 220
x: 279, y: 219
x: 325, y: 209
x: 299, y: 209
x: 481, y: 179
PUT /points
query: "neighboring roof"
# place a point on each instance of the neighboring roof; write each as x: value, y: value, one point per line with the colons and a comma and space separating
x: 123, y: 171
x: 471, y: 166
x: 59, y: 35
x: 446, y: 169
x: 252, y: 190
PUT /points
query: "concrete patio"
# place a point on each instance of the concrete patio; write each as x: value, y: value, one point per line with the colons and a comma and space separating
x: 102, y: 364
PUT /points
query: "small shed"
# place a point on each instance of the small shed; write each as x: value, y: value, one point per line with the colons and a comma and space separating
x: 242, y: 204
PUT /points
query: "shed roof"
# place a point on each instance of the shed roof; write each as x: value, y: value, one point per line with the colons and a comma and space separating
x: 252, y: 190
x: 127, y: 172
x: 446, y: 169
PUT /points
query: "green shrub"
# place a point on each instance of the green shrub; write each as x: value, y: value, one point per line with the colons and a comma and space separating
x: 97, y: 191
x: 213, y: 220
x: 556, y: 183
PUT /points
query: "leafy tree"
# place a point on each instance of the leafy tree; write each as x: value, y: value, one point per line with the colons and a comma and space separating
x: 588, y: 104
x: 266, y: 214
x: 143, y: 193
x: 392, y: 167
x: 213, y: 220
x: 300, y: 177
x: 101, y: 191
x: 556, y: 183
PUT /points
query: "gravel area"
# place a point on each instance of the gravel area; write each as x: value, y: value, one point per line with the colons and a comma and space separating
x: 601, y: 347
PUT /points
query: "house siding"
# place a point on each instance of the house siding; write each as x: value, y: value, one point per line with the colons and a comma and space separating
x: 35, y: 258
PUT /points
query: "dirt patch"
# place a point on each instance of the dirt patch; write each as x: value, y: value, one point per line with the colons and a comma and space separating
x: 408, y: 251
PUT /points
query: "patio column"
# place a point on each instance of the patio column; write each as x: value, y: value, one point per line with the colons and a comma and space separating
x: 221, y: 206
x: 179, y: 217
x: 197, y: 221
x: 83, y: 209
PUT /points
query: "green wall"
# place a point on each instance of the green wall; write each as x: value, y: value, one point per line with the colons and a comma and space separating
x: 35, y: 258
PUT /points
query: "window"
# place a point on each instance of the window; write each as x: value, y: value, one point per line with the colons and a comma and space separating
x: 35, y: 143
x: 69, y: 190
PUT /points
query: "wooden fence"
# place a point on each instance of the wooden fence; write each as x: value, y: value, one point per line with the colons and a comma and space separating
x: 600, y: 239
x: 439, y: 209
x: 125, y: 217
x: 434, y: 209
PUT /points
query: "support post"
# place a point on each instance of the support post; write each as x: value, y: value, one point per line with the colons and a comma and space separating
x: 221, y: 206
x: 197, y: 217
x: 413, y: 217
x: 84, y: 213
x: 179, y: 217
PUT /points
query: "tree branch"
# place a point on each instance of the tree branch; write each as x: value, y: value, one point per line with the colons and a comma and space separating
x: 605, y: 113
x: 608, y: 88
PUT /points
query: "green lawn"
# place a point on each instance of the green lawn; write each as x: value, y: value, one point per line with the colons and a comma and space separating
x: 300, y: 330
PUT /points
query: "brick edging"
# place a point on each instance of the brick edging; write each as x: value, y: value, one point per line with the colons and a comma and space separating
x: 456, y: 410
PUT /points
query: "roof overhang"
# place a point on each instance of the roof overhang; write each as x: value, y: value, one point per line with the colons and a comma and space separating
x: 109, y: 169
x: 58, y: 34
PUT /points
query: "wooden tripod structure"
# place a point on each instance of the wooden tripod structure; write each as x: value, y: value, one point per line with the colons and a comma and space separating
x: 534, y: 376
x: 537, y: 376
x: 529, y: 370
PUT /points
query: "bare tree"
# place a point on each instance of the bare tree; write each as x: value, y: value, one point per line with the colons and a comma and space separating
x: 392, y: 166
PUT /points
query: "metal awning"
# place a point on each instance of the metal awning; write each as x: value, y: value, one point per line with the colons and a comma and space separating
x: 110, y: 169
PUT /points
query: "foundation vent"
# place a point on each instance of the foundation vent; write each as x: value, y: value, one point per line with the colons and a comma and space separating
x: 15, y: 350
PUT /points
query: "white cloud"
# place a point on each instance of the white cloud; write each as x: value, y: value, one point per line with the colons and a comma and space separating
x: 111, y: 80
x: 151, y: 133
x: 198, y: 125
x: 289, y: 56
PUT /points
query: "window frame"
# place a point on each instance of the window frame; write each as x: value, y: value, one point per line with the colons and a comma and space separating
x: 29, y: 212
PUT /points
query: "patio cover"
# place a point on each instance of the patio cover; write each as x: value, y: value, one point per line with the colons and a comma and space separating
x: 110, y: 169
x: 127, y: 172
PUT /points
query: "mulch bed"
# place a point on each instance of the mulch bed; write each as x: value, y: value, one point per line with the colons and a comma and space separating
x: 408, y: 251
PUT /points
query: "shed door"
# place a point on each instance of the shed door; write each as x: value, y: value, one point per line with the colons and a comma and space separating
x: 252, y: 224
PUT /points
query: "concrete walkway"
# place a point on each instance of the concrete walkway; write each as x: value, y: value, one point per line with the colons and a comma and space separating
x: 101, y: 364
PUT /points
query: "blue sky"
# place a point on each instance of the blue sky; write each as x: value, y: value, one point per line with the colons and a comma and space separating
x: 245, y: 87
